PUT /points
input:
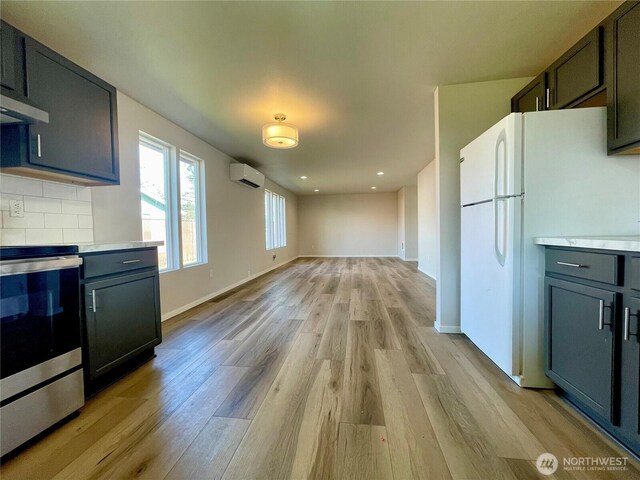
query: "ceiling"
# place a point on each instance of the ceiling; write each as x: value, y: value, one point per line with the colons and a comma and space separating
x: 357, y: 78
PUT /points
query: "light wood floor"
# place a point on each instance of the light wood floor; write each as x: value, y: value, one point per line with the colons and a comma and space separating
x: 324, y: 368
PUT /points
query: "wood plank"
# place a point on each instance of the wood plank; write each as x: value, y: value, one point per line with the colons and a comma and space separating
x: 267, y: 449
x: 384, y: 335
x: 363, y: 453
x: 362, y: 402
x: 316, y: 449
x: 211, y: 451
x: 159, y: 451
x: 414, y: 449
x: 334, y: 339
x: 412, y: 347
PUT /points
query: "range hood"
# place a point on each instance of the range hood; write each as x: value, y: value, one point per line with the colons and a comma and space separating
x: 16, y: 112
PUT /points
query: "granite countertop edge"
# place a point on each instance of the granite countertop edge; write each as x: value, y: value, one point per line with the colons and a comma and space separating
x: 630, y: 243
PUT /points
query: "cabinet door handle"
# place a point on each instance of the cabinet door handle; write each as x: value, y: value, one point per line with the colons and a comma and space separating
x: 600, y: 314
x: 126, y: 262
x: 39, y: 147
x: 548, y: 95
x: 93, y: 300
x: 625, y: 325
x: 537, y: 104
x: 574, y: 265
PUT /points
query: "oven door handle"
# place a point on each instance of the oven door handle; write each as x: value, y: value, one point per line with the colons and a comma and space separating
x: 36, y: 265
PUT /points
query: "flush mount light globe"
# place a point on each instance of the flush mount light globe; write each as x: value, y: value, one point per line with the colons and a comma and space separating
x: 279, y: 134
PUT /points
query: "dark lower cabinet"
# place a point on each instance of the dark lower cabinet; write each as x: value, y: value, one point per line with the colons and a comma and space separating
x: 592, y: 337
x: 630, y: 364
x: 120, y: 317
x: 121, y: 313
x: 579, y: 332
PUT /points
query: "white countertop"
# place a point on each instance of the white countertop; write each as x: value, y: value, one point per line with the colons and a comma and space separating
x: 630, y: 243
x: 105, y: 247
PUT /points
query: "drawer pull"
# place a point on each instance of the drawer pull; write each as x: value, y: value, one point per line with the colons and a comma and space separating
x: 625, y: 325
x: 127, y: 262
x: 574, y: 265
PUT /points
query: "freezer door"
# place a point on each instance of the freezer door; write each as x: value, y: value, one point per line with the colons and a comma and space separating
x: 490, y: 285
x: 490, y: 166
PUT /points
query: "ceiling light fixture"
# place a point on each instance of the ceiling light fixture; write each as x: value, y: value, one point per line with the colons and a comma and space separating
x: 279, y: 134
x: 303, y: 177
x: 316, y: 190
x: 380, y: 173
x: 373, y: 188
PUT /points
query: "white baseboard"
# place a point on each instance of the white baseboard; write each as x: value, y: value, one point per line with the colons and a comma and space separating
x: 447, y: 328
x: 410, y: 259
x: 427, y: 274
x: 195, y: 303
x: 348, y: 256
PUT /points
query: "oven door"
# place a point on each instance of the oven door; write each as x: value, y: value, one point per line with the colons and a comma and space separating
x: 39, y: 314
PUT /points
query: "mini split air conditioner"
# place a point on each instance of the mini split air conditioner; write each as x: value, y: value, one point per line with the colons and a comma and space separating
x: 246, y: 175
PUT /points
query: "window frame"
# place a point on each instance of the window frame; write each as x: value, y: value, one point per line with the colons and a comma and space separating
x: 171, y: 214
x: 200, y: 213
x: 275, y: 217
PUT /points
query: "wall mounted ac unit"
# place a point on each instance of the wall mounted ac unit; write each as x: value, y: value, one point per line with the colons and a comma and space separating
x: 246, y: 175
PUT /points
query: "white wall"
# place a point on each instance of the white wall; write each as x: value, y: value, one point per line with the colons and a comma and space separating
x: 54, y: 213
x: 427, y: 221
x: 356, y: 224
x: 235, y: 213
x: 462, y: 112
x: 408, y: 223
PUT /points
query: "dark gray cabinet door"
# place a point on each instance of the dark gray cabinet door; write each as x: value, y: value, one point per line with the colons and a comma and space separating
x: 623, y: 105
x: 579, y: 330
x: 8, y: 57
x: 630, y: 371
x: 577, y: 73
x: 122, y: 319
x: 80, y: 138
x: 531, y: 97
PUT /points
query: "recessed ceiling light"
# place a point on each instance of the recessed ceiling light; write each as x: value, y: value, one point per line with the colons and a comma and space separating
x: 373, y: 188
x: 303, y: 177
x: 380, y: 173
x: 316, y: 190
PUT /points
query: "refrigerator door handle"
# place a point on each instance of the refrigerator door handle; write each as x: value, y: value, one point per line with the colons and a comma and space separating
x: 500, y: 166
x: 500, y: 232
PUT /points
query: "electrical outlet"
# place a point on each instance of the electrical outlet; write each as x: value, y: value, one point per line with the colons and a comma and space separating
x: 274, y: 257
x: 211, y: 273
x: 16, y: 208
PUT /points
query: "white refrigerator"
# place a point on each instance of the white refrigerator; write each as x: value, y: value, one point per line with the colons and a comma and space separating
x: 533, y: 174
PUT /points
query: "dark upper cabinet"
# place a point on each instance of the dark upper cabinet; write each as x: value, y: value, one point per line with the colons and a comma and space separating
x: 9, y: 57
x: 579, y: 332
x: 603, y: 68
x: 80, y: 142
x: 623, y: 96
x: 80, y: 136
x: 578, y: 73
x: 532, y: 97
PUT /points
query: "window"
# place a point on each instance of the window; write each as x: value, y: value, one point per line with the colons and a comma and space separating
x: 275, y: 220
x: 172, y: 198
x: 192, y: 215
x: 155, y: 191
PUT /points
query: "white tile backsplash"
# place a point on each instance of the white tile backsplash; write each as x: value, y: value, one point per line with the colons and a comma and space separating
x: 53, y: 212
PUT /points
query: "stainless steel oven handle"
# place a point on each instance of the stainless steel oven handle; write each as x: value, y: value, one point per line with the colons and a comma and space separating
x: 35, y: 265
